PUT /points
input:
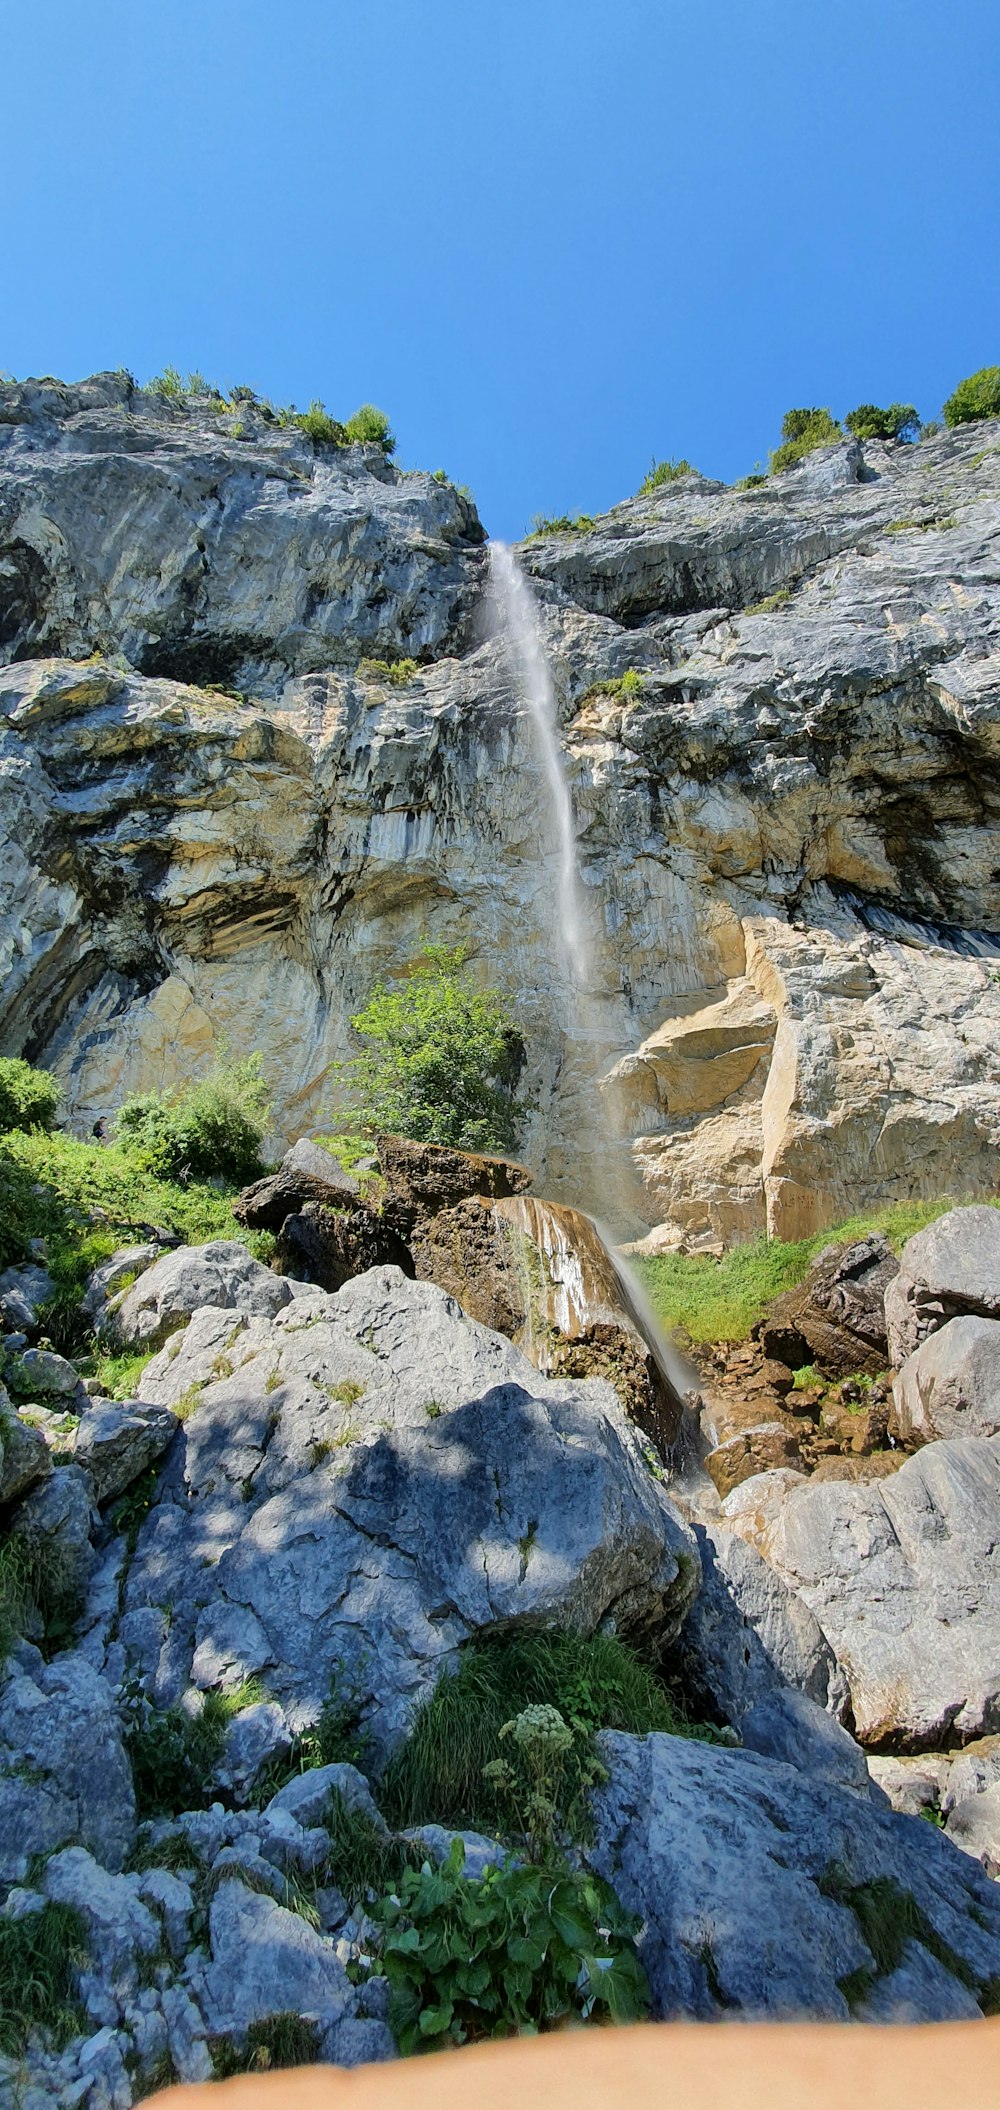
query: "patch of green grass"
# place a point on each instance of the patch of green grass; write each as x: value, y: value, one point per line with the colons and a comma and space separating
x: 174, y: 1755
x: 888, y: 1918
x: 559, y: 524
x: 399, y: 673
x: 771, y: 602
x: 660, y: 473
x: 808, y: 1375
x: 39, y: 1958
x: 273, y: 2044
x: 627, y: 684
x: 921, y: 527
x: 720, y: 1300
x: 39, y: 1595
x: 438, y: 1776
x: 118, y: 1375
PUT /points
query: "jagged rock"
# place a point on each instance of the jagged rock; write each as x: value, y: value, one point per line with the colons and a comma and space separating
x: 258, y: 1734
x: 427, y: 1177
x: 54, y: 1523
x: 950, y: 1270
x: 789, y: 1726
x: 764, y: 1447
x: 950, y: 1385
x: 836, y: 1317
x: 24, y: 1453
x: 64, y: 1776
x: 748, y: 1635
x: 974, y: 1826
x: 306, y: 1174
x: 266, y: 1960
x: 378, y: 1479
x: 330, y: 1246
x: 724, y: 1856
x: 23, y: 1292
x: 115, y: 1443
x: 911, y: 1784
x: 220, y: 1273
x: 114, y: 1275
x: 40, y: 1373
x: 306, y: 1797
x: 972, y: 1771
x: 892, y: 1569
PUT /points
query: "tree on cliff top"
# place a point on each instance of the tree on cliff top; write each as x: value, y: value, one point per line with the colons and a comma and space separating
x: 441, y: 1059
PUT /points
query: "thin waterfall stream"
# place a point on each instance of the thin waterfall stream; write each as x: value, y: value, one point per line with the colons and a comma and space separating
x: 519, y: 627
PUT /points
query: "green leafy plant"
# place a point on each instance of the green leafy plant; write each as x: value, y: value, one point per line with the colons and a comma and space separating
x: 869, y: 422
x: 802, y: 431
x: 978, y: 396
x: 175, y: 1755
x: 660, y: 473
x: 213, y: 1127
x: 40, y: 1955
x: 521, y: 1949
x: 530, y: 1776
x: 169, y: 384
x: 371, y: 426
x: 28, y: 1097
x: 441, y: 1058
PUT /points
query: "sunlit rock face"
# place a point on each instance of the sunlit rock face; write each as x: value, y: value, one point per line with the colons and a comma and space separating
x: 787, y: 832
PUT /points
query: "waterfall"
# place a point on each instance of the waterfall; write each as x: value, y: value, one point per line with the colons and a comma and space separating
x: 518, y: 624
x: 517, y: 617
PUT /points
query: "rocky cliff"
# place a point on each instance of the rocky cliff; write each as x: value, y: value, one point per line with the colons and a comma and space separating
x: 787, y: 825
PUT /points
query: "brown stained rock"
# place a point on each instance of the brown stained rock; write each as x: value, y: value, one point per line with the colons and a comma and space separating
x: 307, y: 1173
x: 428, y: 1177
x: 331, y: 1246
x: 755, y: 1450
x: 876, y: 1467
x: 837, y: 1313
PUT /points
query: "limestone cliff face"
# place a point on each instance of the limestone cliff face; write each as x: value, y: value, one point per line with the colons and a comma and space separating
x: 788, y: 832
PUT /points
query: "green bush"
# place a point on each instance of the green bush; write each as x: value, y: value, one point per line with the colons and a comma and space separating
x: 978, y: 396
x: 559, y: 524
x: 174, y: 1755
x: 317, y: 422
x: 442, y: 1058
x: 28, y: 1097
x: 802, y: 431
x: 169, y: 384
x: 520, y: 1950
x: 40, y: 1956
x: 211, y: 1129
x: 599, y: 1683
x: 869, y: 422
x: 660, y: 473
x: 397, y: 672
x: 371, y: 426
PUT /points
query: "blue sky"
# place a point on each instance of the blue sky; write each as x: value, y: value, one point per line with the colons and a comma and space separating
x: 552, y: 238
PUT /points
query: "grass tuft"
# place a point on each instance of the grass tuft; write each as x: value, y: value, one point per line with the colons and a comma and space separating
x: 39, y: 1958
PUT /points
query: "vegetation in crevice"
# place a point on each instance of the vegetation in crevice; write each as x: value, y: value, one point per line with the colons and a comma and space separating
x: 888, y: 1917
x: 40, y: 1956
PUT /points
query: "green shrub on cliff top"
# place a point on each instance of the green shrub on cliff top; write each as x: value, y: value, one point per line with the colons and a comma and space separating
x: 870, y: 422
x: 802, y: 431
x: 978, y: 396
x: 28, y: 1097
x: 441, y: 1058
x: 660, y: 473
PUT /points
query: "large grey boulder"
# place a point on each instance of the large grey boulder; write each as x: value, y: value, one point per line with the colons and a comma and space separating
x: 741, y: 1868
x: 117, y: 1443
x: 53, y: 1524
x: 267, y: 1960
x: 23, y: 1292
x: 902, y: 1577
x: 220, y: 1273
x: 377, y: 1480
x: 790, y: 1726
x: 950, y: 1269
x: 950, y: 1385
x: 65, y: 1779
x: 24, y: 1453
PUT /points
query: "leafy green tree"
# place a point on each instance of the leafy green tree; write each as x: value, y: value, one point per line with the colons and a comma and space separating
x: 802, y: 431
x: 441, y: 1059
x: 978, y: 396
x: 870, y: 422
x: 209, y: 1130
x: 28, y: 1097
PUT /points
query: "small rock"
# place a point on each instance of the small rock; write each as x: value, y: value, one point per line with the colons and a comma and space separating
x: 40, y: 1372
x: 974, y: 1825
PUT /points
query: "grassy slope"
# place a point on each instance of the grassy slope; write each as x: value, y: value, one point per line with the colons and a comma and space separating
x: 720, y: 1300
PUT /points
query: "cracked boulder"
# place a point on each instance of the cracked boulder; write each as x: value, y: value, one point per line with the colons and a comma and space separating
x: 368, y: 1480
x: 950, y: 1270
x: 64, y: 1777
x: 752, y: 1882
x: 220, y: 1273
